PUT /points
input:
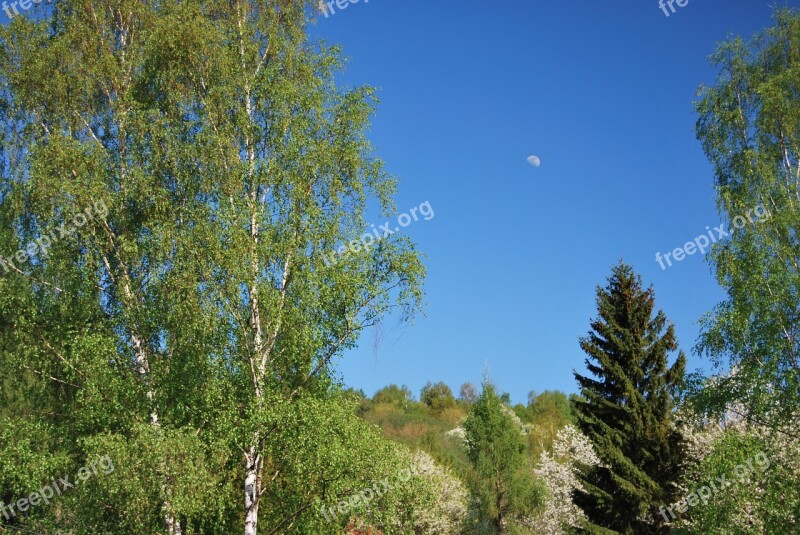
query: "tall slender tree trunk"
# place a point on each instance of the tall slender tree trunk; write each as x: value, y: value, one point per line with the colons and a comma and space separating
x: 254, y: 461
x: 172, y: 525
x: 501, y: 518
x: 252, y: 489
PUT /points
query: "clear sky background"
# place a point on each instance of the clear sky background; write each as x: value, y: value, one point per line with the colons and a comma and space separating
x: 602, y: 92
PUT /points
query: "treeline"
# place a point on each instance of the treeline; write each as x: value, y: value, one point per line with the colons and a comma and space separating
x: 442, y: 425
x: 422, y: 421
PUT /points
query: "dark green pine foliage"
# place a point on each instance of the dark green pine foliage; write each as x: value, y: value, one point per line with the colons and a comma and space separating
x: 628, y: 410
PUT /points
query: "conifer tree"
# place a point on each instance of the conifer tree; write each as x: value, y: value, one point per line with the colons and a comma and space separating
x: 496, y: 450
x: 628, y: 410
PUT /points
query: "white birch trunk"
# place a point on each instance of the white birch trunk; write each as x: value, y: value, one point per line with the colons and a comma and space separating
x: 171, y: 524
x: 252, y: 490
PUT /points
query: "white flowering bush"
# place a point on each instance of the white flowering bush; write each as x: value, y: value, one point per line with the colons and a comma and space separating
x: 436, y: 500
x: 557, y: 471
x: 767, y: 502
x: 522, y: 426
x: 448, y: 511
x: 459, y: 434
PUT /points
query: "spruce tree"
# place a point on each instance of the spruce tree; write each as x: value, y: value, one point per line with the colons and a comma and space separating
x: 627, y: 410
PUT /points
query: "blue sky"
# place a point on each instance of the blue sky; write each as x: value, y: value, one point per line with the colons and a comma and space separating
x: 602, y: 92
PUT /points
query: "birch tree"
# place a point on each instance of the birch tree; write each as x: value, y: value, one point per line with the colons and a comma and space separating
x: 227, y: 163
x: 748, y: 126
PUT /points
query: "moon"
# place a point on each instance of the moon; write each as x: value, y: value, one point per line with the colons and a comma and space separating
x: 534, y: 161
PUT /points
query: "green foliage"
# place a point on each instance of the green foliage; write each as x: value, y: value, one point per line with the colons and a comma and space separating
x: 394, y: 394
x: 521, y: 411
x: 761, y: 494
x: 329, y: 455
x: 748, y: 125
x: 221, y: 161
x: 29, y: 456
x: 496, y: 448
x: 128, y: 499
x: 628, y: 408
x: 414, y: 426
x: 547, y: 413
x: 437, y: 397
x: 550, y: 402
